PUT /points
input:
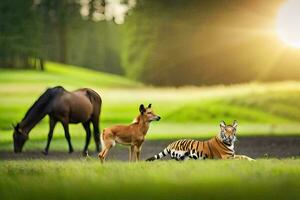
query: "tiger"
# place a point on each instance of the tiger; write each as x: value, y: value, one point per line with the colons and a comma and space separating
x: 218, y: 147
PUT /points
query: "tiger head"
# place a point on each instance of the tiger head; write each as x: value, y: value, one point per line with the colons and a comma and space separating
x: 228, y: 133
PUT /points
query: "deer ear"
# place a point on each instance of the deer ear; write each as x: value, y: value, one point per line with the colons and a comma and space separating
x: 234, y: 125
x: 142, y: 108
x: 149, y: 106
x: 222, y: 124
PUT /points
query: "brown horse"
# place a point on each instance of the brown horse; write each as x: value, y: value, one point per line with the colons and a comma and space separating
x: 80, y: 106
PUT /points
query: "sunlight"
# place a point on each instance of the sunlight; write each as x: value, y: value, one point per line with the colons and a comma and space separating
x: 115, y: 10
x: 288, y: 23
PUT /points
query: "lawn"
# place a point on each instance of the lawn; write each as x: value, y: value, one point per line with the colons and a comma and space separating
x: 260, y: 108
x: 88, y: 179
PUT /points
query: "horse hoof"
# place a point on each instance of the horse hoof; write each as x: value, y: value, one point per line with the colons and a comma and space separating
x: 85, y: 154
x: 45, y: 152
x: 71, y: 151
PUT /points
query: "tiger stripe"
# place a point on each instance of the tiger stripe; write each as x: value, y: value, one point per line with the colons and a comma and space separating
x: 194, y: 149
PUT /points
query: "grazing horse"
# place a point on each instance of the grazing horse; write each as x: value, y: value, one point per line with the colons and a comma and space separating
x: 80, y: 106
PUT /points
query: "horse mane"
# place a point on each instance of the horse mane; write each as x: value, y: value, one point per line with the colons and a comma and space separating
x: 41, y: 106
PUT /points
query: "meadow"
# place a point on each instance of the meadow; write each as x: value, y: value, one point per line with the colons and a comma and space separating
x: 87, y: 179
x: 260, y: 108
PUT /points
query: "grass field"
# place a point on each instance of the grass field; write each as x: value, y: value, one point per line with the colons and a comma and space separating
x: 261, y: 109
x: 88, y: 179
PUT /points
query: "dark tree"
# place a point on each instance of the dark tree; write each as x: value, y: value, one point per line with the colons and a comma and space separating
x: 20, y: 38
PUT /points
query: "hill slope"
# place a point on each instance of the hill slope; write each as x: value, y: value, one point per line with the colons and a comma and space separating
x: 67, y: 75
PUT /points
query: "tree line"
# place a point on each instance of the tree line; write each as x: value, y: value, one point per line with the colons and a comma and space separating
x: 33, y: 31
x: 161, y: 42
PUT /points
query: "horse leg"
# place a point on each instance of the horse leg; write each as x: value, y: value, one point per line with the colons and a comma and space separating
x: 52, y: 124
x: 67, y: 135
x: 86, y: 126
x: 95, y: 122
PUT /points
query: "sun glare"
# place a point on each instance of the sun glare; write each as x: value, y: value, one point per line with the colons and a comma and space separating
x: 288, y: 23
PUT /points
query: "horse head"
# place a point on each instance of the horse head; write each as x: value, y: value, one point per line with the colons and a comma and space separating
x: 19, y: 138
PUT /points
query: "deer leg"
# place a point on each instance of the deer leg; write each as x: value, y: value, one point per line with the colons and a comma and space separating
x: 52, y: 124
x: 138, y: 153
x: 131, y: 153
x: 135, y: 153
x: 103, y: 154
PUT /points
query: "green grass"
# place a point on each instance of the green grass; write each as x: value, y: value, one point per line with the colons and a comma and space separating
x: 268, y: 107
x: 60, y: 74
x: 88, y: 179
x: 260, y: 108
